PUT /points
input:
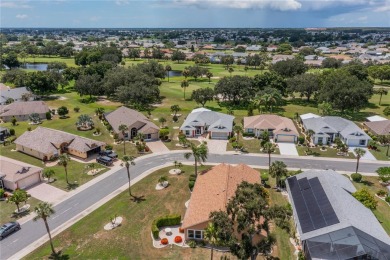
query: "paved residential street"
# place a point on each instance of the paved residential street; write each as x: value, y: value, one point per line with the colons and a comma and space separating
x: 81, y: 201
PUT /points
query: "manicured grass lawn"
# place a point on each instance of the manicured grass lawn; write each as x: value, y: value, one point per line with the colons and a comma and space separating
x: 330, y: 152
x: 251, y: 145
x: 132, y: 240
x: 382, y: 211
x: 7, y: 212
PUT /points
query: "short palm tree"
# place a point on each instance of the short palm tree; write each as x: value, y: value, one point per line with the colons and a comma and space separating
x: 44, y: 210
x: 123, y: 129
x: 162, y: 120
x: 269, y: 148
x: 48, y: 173
x: 359, y: 154
x: 17, y: 197
x: 380, y: 92
x: 85, y: 122
x: 278, y: 170
x: 211, y: 236
x: 198, y: 152
x: 175, y: 109
x: 63, y: 160
x: 238, y: 130
x: 168, y: 68
x: 129, y: 160
x: 310, y: 134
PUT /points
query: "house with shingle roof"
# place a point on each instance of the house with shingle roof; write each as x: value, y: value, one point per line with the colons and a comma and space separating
x: 18, y: 175
x: 204, y: 121
x: 135, y: 121
x: 327, y: 128
x: 378, y: 127
x: 282, y: 129
x: 15, y: 94
x: 45, y: 144
x: 211, y: 192
x: 331, y: 223
x: 22, y: 110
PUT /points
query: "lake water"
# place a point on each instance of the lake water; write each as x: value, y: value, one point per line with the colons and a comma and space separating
x: 175, y: 73
x: 35, y: 66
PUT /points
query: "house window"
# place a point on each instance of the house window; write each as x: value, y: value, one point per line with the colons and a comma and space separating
x: 250, y: 130
x: 320, y: 140
x: 148, y: 136
x: 362, y: 142
x: 191, y: 233
x: 187, y: 132
x: 198, y: 234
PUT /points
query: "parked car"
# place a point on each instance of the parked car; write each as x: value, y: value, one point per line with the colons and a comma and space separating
x: 109, y: 153
x: 8, y: 229
x: 105, y: 160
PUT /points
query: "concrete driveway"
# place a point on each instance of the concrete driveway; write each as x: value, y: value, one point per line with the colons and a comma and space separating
x: 288, y: 149
x: 367, y: 156
x: 157, y: 147
x: 216, y: 146
x: 46, y: 192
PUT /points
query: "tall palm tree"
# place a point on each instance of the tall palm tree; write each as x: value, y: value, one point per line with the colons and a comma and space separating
x: 168, y: 68
x: 269, y: 148
x: 385, y: 140
x: 238, y: 130
x: 129, y: 160
x: 185, y: 73
x: 380, y: 92
x: 123, y: 128
x: 44, y: 210
x: 184, y: 85
x: 278, y: 170
x: 198, y: 152
x: 211, y: 236
x: 63, y: 160
x: 310, y: 134
x: 359, y: 154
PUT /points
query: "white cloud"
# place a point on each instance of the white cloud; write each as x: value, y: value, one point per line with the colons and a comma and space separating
x: 122, y: 2
x: 362, y: 18
x: 21, y: 16
x: 94, y: 18
x: 14, y: 4
x: 282, y: 5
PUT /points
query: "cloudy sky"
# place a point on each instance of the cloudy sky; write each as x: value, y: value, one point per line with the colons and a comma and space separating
x: 194, y: 13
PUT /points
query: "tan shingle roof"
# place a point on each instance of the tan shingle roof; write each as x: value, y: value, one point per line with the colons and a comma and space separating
x: 278, y: 123
x: 15, y: 170
x: 24, y: 108
x: 48, y: 140
x: 379, y: 127
x: 214, y: 188
x: 131, y: 118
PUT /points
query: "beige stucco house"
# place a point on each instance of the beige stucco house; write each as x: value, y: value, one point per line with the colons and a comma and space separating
x: 22, y: 110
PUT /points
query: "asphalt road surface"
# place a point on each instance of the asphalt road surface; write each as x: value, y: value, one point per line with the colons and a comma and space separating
x: 32, y: 231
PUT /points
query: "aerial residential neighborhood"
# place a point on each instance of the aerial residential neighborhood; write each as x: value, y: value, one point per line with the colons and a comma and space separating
x: 180, y: 130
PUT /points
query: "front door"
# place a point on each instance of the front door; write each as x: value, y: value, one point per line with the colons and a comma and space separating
x: 198, y: 131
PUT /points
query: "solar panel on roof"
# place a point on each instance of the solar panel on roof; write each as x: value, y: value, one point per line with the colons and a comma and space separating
x: 311, y: 204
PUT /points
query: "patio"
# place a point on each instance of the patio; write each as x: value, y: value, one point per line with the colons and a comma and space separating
x: 169, y: 233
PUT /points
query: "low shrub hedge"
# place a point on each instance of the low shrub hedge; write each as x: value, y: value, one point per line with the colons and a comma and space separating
x: 356, y: 177
x: 191, y: 184
x: 169, y: 220
x: 248, y: 134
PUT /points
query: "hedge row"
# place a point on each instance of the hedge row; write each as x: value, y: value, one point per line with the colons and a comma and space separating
x: 169, y: 220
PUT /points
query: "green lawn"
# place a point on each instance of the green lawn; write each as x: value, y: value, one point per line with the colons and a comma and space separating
x: 87, y: 240
x: 381, y: 153
x: 382, y: 212
x: 330, y: 152
x: 7, y: 212
x: 251, y: 145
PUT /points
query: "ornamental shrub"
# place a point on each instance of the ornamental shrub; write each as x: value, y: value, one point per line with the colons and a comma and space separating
x: 178, y: 239
x: 356, y: 177
x: 301, y: 140
x: 191, y: 185
x: 169, y: 220
x: 48, y: 116
x: 365, y: 198
x: 387, y: 199
x: 12, y: 131
x: 2, y: 192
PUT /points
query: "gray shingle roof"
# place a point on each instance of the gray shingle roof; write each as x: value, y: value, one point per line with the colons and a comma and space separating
x: 24, y: 108
x: 216, y: 122
x: 14, y: 93
x: 349, y: 211
x: 335, y: 124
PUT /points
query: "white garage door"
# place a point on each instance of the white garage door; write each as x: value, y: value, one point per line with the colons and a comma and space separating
x: 286, y: 138
x: 27, y: 182
x: 219, y: 135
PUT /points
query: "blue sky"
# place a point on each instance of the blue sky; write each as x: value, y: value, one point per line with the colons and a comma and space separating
x: 194, y: 13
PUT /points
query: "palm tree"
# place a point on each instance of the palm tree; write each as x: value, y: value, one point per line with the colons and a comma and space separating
x: 84, y: 122
x: 168, y: 68
x: 198, y: 152
x: 278, y: 170
x: 18, y: 197
x: 123, y: 129
x: 162, y: 120
x: 238, y: 130
x: 185, y: 73
x: 175, y: 109
x: 310, y: 134
x: 129, y: 160
x: 44, y: 210
x: 63, y: 160
x: 184, y: 85
x: 270, y: 100
x: 209, y: 75
x: 359, y: 154
x: 48, y: 173
x: 211, y: 236
x: 380, y: 92
x: 385, y: 140
x: 269, y: 148
x: 99, y: 112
